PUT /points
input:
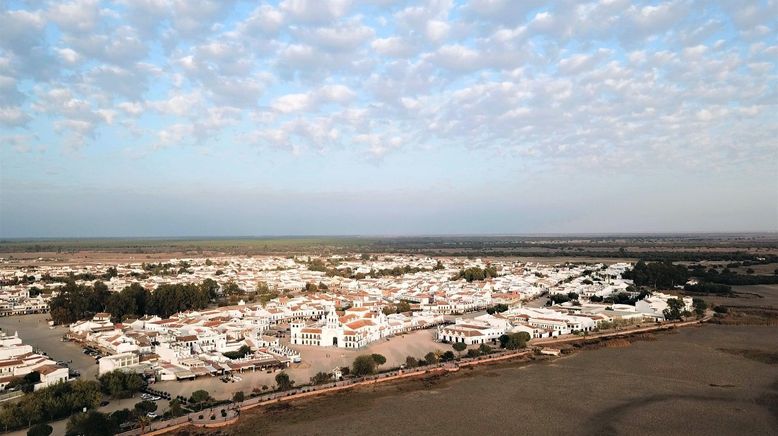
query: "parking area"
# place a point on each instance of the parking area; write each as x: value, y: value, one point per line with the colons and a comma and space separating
x: 34, y: 330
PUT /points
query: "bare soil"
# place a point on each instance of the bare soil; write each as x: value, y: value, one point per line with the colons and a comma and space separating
x: 682, y: 383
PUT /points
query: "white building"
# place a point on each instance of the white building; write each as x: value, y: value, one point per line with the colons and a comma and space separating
x: 117, y: 361
x: 470, y: 332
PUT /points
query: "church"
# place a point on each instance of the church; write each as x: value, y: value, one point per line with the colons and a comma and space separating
x: 357, y: 327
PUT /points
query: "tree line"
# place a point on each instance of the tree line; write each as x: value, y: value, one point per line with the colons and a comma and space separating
x: 666, y: 275
x: 64, y: 399
x: 476, y: 274
x: 77, y: 301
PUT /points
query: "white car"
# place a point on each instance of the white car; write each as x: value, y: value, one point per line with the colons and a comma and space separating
x: 155, y: 398
x: 151, y: 415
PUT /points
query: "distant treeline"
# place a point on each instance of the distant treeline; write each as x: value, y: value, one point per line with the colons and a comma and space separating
x: 666, y: 275
x: 662, y: 247
x: 708, y: 288
x: 476, y: 274
x: 657, y: 274
x: 655, y: 256
x: 332, y: 271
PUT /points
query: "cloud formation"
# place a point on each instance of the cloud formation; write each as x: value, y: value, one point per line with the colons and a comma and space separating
x: 549, y: 80
x: 551, y: 85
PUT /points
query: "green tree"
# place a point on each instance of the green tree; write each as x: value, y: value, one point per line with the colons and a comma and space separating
x: 121, y: 416
x: 231, y: 288
x: 169, y: 298
x: 145, y: 406
x: 120, y: 384
x: 379, y: 359
x: 241, y: 352
x: 497, y: 309
x: 676, y: 309
x: 283, y: 382
x: 40, y: 430
x: 320, y: 378
x: 447, y: 356
x: 199, y: 396
x: 411, y: 362
x: 657, y: 274
x: 514, y: 341
x: 476, y: 274
x: 431, y: 358
x: 403, y: 306
x: 91, y: 423
x: 238, y: 397
x: 459, y: 347
x: 558, y: 298
x: 265, y: 294
x: 175, y: 408
x: 210, y: 288
x: 363, y: 365
x: 485, y: 349
x: 699, y: 306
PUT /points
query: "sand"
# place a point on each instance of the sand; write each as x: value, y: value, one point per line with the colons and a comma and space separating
x: 679, y: 384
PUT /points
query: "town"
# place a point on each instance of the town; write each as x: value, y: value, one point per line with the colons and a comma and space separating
x: 270, y: 313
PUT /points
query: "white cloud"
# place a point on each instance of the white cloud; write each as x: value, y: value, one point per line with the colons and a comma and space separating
x: 554, y: 81
x: 178, y: 104
x: 13, y: 116
x: 292, y: 103
x: 314, y: 11
x: 392, y: 46
x: 437, y: 30
x: 457, y: 57
x: 300, y: 102
x: 339, y: 38
x: 79, y: 16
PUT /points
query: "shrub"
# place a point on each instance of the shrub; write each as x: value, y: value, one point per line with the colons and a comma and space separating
x: 363, y: 365
x: 40, y: 430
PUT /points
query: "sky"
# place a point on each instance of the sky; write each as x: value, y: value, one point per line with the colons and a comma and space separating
x: 141, y: 118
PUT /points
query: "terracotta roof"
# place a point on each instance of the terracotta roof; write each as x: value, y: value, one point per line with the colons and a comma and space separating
x: 360, y: 324
x: 48, y: 369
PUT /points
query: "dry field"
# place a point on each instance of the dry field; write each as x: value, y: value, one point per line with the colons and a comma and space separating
x: 686, y: 382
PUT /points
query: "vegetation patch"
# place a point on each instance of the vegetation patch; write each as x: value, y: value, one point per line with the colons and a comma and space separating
x: 768, y: 357
x: 745, y: 316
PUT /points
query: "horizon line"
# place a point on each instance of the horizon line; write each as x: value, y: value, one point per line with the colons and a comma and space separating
x: 391, y: 236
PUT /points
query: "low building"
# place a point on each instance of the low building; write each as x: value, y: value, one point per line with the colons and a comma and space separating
x: 117, y: 361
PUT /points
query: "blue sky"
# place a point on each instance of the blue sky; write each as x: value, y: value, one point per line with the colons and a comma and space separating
x: 179, y: 118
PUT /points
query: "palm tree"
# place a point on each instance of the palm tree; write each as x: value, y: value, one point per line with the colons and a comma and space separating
x: 143, y: 420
